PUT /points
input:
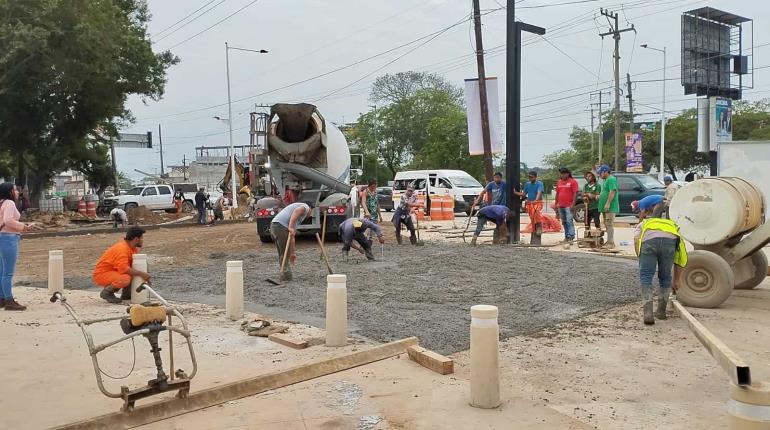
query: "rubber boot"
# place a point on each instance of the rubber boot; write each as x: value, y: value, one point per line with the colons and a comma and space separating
x: 108, y: 294
x: 125, y: 293
x: 647, y: 299
x: 368, y: 253
x: 413, y: 239
x: 398, y: 239
x: 660, y: 313
x: 473, y: 241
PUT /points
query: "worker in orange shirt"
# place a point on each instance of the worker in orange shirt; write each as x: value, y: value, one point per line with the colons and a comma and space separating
x: 114, y: 269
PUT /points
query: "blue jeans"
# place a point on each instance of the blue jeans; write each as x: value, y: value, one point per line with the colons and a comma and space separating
x: 201, y: 216
x: 481, y: 221
x: 9, y: 252
x: 658, y: 252
x: 567, y: 222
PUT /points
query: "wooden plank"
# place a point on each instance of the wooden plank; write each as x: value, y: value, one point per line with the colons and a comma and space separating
x: 431, y: 360
x: 287, y: 341
x: 236, y: 390
x: 737, y: 370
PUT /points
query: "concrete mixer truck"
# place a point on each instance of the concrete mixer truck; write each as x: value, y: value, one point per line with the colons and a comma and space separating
x: 307, y: 160
x: 723, y: 219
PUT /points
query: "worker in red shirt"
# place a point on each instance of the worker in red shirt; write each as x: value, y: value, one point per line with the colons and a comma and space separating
x: 114, y: 269
x: 566, y: 193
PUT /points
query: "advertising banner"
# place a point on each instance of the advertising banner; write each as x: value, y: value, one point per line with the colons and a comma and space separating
x: 634, y: 152
x: 473, y: 109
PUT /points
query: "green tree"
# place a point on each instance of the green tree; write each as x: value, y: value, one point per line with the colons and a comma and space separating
x: 66, y: 70
x: 447, y: 144
x: 399, y: 86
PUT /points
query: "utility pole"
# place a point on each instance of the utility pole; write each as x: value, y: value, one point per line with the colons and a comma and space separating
x: 486, y: 139
x: 114, y: 166
x: 630, y: 102
x: 184, y: 167
x: 593, y: 146
x: 160, y: 144
x: 601, y: 125
x: 615, y: 32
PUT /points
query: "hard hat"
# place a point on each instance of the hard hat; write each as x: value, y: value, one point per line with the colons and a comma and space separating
x: 357, y: 223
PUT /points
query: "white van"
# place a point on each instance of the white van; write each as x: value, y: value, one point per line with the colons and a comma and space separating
x: 457, y: 183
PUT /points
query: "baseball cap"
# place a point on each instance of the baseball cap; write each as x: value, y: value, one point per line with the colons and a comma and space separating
x: 409, y: 188
x: 649, y: 202
x: 604, y: 168
x: 668, y: 178
x: 357, y: 223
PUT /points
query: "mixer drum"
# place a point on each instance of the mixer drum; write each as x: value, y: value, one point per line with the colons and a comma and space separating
x: 710, y: 211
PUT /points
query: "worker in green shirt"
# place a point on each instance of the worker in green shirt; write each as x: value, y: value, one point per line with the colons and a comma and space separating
x: 609, y: 205
x: 591, y: 191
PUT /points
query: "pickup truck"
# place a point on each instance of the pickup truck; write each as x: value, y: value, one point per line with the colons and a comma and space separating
x: 154, y: 197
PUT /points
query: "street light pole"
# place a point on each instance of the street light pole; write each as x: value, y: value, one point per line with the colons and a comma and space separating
x: 234, y: 194
x: 661, y: 170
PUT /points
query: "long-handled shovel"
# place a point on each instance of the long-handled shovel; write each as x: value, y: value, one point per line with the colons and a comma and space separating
x: 419, y: 242
x: 468, y: 224
x: 323, y: 254
x: 283, y: 263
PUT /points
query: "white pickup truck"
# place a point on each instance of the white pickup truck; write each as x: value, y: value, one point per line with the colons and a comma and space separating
x: 155, y: 197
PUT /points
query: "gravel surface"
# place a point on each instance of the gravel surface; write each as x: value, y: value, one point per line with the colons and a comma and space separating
x: 417, y: 291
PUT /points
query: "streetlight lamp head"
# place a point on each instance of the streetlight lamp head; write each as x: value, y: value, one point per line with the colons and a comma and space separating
x: 263, y: 51
x: 644, y: 45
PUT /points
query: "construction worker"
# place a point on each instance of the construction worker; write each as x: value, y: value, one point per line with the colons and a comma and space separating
x: 591, y: 191
x: 200, y: 205
x: 283, y: 230
x: 369, y: 203
x: 402, y: 215
x: 354, y: 228
x: 498, y: 214
x: 566, y: 194
x: 658, y: 243
x: 114, y: 269
x: 533, y: 193
x: 219, y: 208
x: 496, y: 192
x: 178, y: 200
x: 609, y: 204
x: 671, y: 189
x: 118, y: 215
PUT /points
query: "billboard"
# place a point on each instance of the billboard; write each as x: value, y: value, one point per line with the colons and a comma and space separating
x: 473, y: 109
x: 134, y: 140
x: 720, y: 121
x: 634, y: 152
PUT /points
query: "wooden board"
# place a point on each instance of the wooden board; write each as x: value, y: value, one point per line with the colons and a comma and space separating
x: 736, y: 368
x: 287, y: 341
x: 431, y: 360
x: 236, y: 390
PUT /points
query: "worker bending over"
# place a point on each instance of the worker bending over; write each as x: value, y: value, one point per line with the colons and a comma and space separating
x: 114, y: 269
x: 283, y: 230
x: 118, y: 216
x: 353, y: 229
x: 658, y: 243
x: 403, y: 215
x: 498, y: 214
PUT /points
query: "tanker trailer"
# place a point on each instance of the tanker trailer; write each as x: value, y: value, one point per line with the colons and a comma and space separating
x: 307, y: 160
x: 723, y: 218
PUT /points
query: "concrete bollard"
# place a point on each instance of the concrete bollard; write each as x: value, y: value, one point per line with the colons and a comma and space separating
x: 55, y: 271
x: 485, y: 367
x: 140, y: 263
x: 749, y: 407
x: 336, y: 310
x: 234, y: 290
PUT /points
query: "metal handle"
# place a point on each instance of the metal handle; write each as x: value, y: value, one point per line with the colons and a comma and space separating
x: 57, y: 296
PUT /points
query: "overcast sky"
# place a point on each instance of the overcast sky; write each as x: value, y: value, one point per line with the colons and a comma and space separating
x: 308, y: 38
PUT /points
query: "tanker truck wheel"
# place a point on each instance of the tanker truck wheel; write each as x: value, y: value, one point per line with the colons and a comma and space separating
x: 759, y: 266
x: 707, y: 280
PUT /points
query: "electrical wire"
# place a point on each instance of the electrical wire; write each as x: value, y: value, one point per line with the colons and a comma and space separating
x: 183, y: 19
x: 213, y: 25
x: 133, y: 365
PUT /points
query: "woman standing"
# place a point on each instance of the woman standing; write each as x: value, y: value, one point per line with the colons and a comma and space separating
x: 10, y: 235
x: 369, y: 202
x: 591, y: 191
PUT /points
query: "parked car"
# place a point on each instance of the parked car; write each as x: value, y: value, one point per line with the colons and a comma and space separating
x: 154, y: 197
x: 631, y: 187
x: 385, y: 198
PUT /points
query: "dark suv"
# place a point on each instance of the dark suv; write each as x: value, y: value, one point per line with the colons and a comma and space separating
x: 385, y: 198
x: 631, y: 186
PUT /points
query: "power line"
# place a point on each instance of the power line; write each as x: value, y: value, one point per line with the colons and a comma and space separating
x: 214, y: 25
x: 183, y: 19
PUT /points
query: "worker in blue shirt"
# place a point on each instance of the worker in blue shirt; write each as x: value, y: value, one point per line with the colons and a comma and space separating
x: 498, y: 214
x: 497, y: 192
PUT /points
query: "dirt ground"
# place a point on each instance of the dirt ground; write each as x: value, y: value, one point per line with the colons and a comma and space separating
x: 563, y: 364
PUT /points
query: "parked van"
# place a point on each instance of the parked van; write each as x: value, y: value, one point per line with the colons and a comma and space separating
x: 457, y: 183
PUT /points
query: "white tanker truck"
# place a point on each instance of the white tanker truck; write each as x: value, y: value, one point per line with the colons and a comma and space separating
x: 307, y: 160
x: 723, y: 218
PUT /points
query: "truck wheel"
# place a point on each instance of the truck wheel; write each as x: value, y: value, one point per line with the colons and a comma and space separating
x: 188, y: 206
x: 265, y: 238
x: 759, y: 265
x: 130, y: 206
x: 707, y: 280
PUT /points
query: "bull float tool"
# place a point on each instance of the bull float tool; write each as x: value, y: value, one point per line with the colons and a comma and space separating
x: 283, y: 263
x: 143, y: 320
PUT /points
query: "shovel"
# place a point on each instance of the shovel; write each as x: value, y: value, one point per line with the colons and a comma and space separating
x: 419, y: 242
x: 283, y: 263
x: 468, y: 224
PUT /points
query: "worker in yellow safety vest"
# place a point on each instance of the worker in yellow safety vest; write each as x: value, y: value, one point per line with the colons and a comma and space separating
x: 658, y: 244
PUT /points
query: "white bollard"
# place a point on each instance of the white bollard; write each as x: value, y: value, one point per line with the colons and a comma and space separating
x: 140, y: 263
x: 485, y: 367
x: 336, y: 310
x: 55, y: 271
x: 234, y: 290
x: 749, y: 407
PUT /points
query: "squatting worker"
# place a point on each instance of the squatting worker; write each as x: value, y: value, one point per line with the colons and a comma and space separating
x: 671, y: 189
x: 566, y: 194
x: 498, y: 214
x: 658, y: 243
x: 609, y: 205
x: 533, y: 192
x: 495, y: 192
x: 591, y: 191
x: 118, y: 216
x: 354, y: 229
x: 114, y: 269
x: 283, y: 230
x: 402, y: 215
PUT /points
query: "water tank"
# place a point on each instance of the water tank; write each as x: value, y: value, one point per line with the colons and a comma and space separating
x: 710, y: 211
